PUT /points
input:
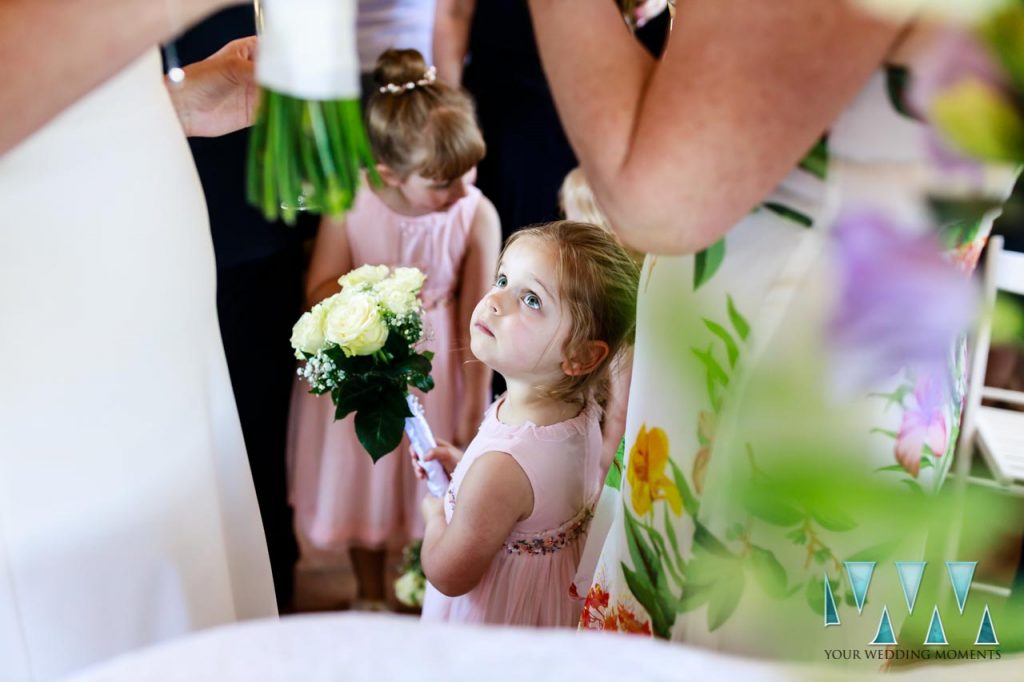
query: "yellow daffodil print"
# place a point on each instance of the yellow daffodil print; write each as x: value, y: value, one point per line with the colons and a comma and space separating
x: 646, y: 473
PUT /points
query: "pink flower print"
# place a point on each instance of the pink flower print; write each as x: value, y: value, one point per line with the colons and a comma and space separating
x: 924, y: 424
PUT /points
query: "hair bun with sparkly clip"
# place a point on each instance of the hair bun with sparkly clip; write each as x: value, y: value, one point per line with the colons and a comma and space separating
x: 398, y: 88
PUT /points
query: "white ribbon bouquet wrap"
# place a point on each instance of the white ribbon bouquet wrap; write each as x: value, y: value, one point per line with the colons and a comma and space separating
x: 308, y: 144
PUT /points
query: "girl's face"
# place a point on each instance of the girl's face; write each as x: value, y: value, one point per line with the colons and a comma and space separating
x: 424, y: 195
x: 519, y: 327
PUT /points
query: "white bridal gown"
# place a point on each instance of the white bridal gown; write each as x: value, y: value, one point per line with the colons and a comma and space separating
x: 127, y: 511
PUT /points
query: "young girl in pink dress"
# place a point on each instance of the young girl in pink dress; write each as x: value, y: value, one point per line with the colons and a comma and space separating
x: 504, y: 544
x: 428, y: 215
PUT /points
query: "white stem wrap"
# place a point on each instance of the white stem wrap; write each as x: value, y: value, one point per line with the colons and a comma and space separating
x: 422, y: 440
x: 308, y: 49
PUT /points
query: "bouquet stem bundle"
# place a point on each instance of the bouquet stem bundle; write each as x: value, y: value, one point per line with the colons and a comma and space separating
x: 306, y: 155
x: 308, y: 143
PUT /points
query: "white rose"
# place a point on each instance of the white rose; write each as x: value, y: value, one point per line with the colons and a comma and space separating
x: 409, y: 589
x: 354, y: 323
x: 308, y: 332
x: 410, y: 279
x: 366, y: 274
x: 395, y: 297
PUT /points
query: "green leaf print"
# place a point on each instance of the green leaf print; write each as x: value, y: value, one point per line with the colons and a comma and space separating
x: 815, y: 593
x: 707, y: 262
x: 667, y: 559
x: 714, y: 369
x: 885, y: 432
x: 731, y: 349
x: 815, y: 161
x: 878, y: 552
x: 891, y: 467
x: 739, y: 323
x: 764, y: 505
x: 725, y: 596
x: 644, y: 558
x: 833, y: 519
x: 768, y: 572
x: 671, y: 533
x: 788, y: 213
x: 661, y: 620
x: 897, y: 80
x: 704, y: 539
x: 614, y: 479
x: 690, y: 503
x: 896, y: 397
x: 694, y: 596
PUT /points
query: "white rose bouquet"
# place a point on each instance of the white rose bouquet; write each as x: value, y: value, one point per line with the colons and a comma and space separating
x: 308, y: 143
x: 360, y: 346
x: 411, y: 584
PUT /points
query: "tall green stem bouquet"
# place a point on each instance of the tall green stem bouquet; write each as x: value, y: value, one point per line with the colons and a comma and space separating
x: 308, y: 143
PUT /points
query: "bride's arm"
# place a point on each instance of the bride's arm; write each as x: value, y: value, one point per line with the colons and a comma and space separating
x: 678, y: 151
x: 55, y: 51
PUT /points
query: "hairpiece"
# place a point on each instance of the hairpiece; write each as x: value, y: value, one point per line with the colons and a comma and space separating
x: 397, y: 88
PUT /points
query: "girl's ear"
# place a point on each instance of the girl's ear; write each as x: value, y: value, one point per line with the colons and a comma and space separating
x: 586, y: 358
x: 388, y: 175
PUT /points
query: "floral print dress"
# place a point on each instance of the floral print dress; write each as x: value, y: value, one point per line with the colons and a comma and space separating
x: 768, y: 358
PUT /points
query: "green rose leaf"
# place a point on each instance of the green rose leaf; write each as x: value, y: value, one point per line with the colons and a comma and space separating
x: 379, y: 430
x: 416, y: 364
x: 352, y: 396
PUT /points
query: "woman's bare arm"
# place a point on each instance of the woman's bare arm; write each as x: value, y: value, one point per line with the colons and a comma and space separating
x: 678, y: 151
x: 452, y: 19
x: 55, y: 51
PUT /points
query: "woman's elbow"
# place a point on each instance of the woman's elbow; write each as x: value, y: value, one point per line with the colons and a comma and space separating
x: 653, y: 217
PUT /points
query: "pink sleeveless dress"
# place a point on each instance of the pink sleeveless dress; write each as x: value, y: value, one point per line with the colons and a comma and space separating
x: 341, y: 498
x: 528, y: 582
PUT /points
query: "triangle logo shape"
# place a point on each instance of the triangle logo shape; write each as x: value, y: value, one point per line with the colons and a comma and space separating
x: 986, y: 631
x: 936, y: 633
x: 859, y: 574
x: 831, y: 614
x: 910, y: 573
x: 961, y: 573
x: 885, y: 634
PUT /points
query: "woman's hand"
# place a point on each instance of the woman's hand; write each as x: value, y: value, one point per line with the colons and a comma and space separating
x: 219, y: 94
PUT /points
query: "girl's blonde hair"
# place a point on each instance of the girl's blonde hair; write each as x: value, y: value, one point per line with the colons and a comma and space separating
x: 576, y: 193
x: 597, y: 282
x: 430, y: 129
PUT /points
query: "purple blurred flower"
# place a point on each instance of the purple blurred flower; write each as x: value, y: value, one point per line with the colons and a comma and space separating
x: 901, y: 303
x: 952, y: 57
x: 924, y: 424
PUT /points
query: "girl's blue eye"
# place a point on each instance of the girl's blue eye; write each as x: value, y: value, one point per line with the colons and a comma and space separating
x: 532, y: 301
x: 500, y: 281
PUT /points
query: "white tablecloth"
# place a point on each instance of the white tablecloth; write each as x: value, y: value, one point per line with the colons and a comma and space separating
x: 353, y: 647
